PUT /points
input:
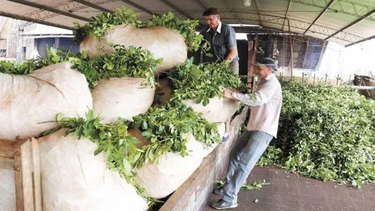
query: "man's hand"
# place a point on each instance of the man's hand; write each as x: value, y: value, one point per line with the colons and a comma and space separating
x: 228, y: 94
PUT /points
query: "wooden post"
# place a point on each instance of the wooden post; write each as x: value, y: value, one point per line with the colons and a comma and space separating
x: 291, y: 53
x: 251, y: 59
x: 23, y: 157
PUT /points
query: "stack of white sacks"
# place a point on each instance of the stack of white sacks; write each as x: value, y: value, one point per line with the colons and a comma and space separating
x: 72, y: 177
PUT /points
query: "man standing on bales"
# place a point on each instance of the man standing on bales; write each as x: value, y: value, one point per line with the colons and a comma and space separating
x: 222, y: 39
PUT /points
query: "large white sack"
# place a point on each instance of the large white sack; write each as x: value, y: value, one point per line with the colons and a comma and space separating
x: 74, y: 179
x: 162, y: 42
x: 7, y: 190
x: 217, y: 110
x: 29, y: 103
x: 121, y: 97
x: 171, y: 172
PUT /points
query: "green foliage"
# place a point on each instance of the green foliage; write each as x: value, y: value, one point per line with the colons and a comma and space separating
x: 167, y: 129
x: 125, y: 62
x: 202, y: 82
x: 29, y: 66
x: 100, y: 24
x: 256, y: 185
x: 103, y: 22
x: 326, y: 133
x: 185, y: 27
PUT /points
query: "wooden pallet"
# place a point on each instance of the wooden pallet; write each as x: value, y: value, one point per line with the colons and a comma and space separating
x: 23, y: 157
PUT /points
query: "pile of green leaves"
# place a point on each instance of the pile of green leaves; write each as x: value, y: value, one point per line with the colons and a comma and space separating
x: 202, y: 82
x: 166, y: 129
x: 326, y: 133
x: 103, y: 22
x: 125, y: 62
x: 29, y: 66
x: 100, y: 24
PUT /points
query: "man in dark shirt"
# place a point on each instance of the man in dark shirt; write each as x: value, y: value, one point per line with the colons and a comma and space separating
x: 222, y: 39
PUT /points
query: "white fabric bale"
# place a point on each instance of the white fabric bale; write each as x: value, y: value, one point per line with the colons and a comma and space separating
x: 30, y: 103
x: 162, y: 42
x: 207, y: 150
x: 7, y: 190
x: 171, y: 172
x: 121, y: 97
x: 216, y: 111
x: 74, y: 179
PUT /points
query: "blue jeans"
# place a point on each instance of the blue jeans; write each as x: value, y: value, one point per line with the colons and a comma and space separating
x: 247, y: 151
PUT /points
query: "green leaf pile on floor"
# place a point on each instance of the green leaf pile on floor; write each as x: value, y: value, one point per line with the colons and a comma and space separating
x: 325, y: 132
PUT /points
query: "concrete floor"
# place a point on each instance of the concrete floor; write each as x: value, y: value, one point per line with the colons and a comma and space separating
x: 291, y: 192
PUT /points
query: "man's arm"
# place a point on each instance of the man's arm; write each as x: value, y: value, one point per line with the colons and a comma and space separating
x: 231, y: 44
x: 232, y: 54
x: 259, y: 98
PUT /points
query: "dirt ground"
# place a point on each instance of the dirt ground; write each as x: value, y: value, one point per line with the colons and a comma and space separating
x: 288, y: 191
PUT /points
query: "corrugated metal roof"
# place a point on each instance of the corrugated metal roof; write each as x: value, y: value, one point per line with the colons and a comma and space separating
x: 343, y: 21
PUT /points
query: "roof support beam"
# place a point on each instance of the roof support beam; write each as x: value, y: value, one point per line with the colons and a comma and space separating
x: 348, y: 7
x: 33, y: 20
x: 256, y: 6
x: 360, y: 41
x: 39, y: 6
x: 351, y: 24
x: 176, y: 8
x: 93, y: 6
x: 320, y: 15
x: 286, y: 14
x: 230, y: 9
x: 138, y: 7
x: 204, y: 7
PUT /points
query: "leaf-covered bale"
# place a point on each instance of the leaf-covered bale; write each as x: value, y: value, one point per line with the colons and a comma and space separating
x: 172, y: 170
x: 30, y: 103
x: 121, y: 97
x: 162, y: 42
x: 74, y: 179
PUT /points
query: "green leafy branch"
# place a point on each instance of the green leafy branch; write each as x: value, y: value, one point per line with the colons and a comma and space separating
x: 125, y: 62
x: 202, y: 82
x: 167, y: 128
x: 102, y: 23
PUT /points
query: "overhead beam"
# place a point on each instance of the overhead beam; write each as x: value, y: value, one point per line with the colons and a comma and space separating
x: 351, y: 24
x: 93, y: 6
x: 204, y: 7
x: 138, y: 7
x: 256, y: 6
x: 360, y: 41
x: 230, y: 10
x: 286, y: 14
x: 176, y: 8
x: 33, y: 20
x: 320, y: 15
x: 347, y: 7
x: 39, y: 6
